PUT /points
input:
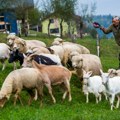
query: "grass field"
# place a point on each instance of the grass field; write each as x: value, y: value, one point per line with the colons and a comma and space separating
x: 77, y: 109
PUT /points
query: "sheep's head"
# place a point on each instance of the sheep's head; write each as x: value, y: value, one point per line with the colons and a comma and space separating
x: 105, y: 76
x: 3, y: 100
x: 28, y: 60
x: 77, y: 62
x: 10, y: 39
x: 19, y: 44
x: 112, y: 72
x: 86, y: 76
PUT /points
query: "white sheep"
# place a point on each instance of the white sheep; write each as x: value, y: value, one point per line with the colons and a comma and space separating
x: 112, y: 87
x: 53, y: 75
x: 4, y: 54
x: 93, y: 85
x: 28, y: 78
x: 88, y: 62
x: 50, y: 59
x: 23, y: 45
x: 70, y: 47
x: 57, y: 50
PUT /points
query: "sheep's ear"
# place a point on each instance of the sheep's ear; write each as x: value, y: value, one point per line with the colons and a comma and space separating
x: 84, y: 72
x: 24, y: 55
x: 101, y: 71
x: 89, y: 73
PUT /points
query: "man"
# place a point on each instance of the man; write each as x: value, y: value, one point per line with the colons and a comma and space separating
x: 115, y: 28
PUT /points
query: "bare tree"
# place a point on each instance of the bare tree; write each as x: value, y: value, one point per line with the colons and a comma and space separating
x: 86, y: 12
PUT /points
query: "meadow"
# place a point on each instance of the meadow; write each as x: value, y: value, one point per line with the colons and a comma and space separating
x: 77, y: 109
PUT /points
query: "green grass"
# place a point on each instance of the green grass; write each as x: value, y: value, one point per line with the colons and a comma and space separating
x: 64, y: 110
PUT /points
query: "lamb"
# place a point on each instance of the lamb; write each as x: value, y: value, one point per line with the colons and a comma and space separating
x: 54, y: 75
x: 93, y: 85
x: 88, y: 62
x: 28, y: 78
x: 112, y: 85
x: 4, y: 54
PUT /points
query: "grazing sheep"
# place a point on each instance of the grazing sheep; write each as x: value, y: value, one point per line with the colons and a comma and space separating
x: 4, y: 54
x: 112, y: 86
x: 68, y: 48
x: 23, y: 45
x: 93, y: 85
x: 27, y: 78
x: 88, y: 62
x: 57, y: 50
x: 54, y: 75
x: 11, y: 38
x: 46, y: 59
x: 16, y: 56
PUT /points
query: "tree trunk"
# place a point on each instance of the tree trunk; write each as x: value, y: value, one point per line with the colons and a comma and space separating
x: 49, y: 28
x: 61, y: 28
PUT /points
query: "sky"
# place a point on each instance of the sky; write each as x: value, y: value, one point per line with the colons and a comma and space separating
x: 105, y: 7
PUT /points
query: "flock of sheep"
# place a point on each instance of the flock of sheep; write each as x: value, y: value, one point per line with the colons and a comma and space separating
x: 42, y: 66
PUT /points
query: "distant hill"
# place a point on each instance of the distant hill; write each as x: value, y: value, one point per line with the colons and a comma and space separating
x: 104, y: 20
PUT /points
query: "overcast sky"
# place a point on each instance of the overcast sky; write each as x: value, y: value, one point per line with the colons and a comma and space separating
x: 103, y: 7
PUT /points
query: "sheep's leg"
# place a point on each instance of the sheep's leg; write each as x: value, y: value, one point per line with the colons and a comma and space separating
x: 36, y: 95
x: 15, y: 66
x: 105, y: 94
x: 67, y: 85
x: 50, y: 92
x: 40, y: 93
x: 16, y: 96
x: 118, y: 102
x: 20, y: 100
x: 4, y: 64
x: 87, y: 98
x: 32, y: 95
x: 112, y: 97
x: 99, y: 97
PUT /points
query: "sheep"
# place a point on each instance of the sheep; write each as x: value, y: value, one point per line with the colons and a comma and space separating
x: 47, y: 59
x: 24, y: 45
x: 112, y: 85
x: 4, y: 54
x: 57, y: 50
x: 54, y: 75
x: 88, y: 62
x: 16, y: 56
x: 11, y: 38
x: 93, y: 85
x: 68, y: 48
x: 27, y: 78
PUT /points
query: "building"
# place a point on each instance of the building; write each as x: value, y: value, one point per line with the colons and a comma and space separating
x: 8, y: 19
x: 54, y: 26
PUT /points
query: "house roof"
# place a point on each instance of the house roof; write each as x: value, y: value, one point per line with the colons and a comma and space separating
x: 75, y: 17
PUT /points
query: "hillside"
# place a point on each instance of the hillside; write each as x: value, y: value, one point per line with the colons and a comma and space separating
x: 77, y: 109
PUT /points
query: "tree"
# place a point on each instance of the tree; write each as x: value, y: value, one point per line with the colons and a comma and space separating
x: 63, y: 9
x: 86, y: 14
